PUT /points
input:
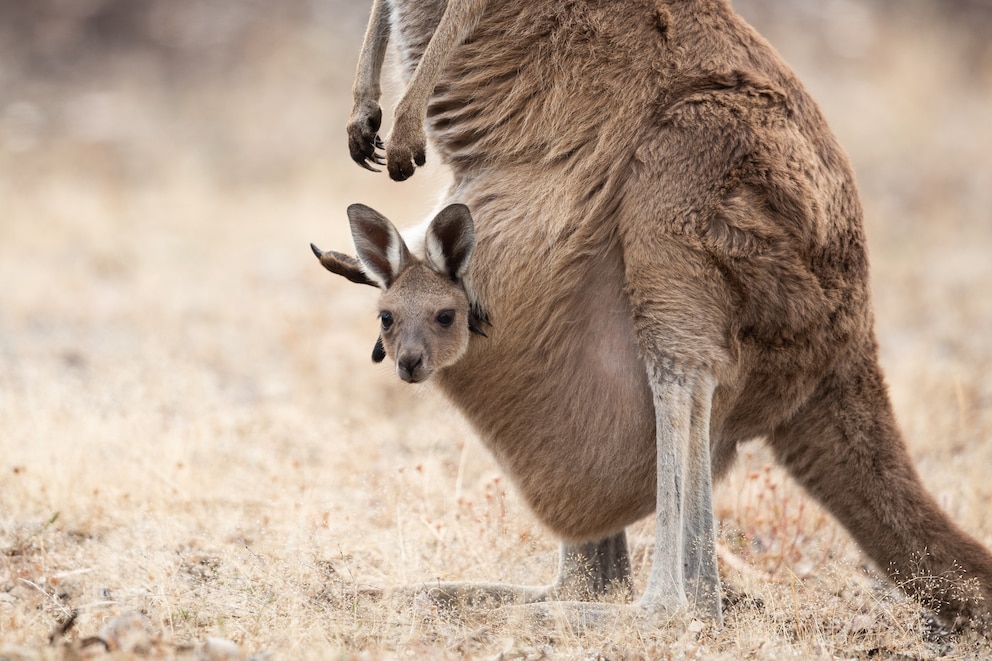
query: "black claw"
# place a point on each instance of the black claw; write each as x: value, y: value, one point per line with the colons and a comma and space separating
x: 480, y: 315
x: 364, y: 149
x: 379, y: 159
x: 475, y: 326
x: 477, y: 319
x: 316, y: 251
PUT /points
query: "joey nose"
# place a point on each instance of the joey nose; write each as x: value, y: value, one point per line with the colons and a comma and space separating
x: 409, y: 368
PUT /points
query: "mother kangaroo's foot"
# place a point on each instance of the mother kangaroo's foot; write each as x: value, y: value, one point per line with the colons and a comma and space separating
x: 590, y: 571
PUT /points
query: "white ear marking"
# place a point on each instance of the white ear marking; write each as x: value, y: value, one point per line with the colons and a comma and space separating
x: 394, y: 253
x: 435, y: 253
x: 374, y: 276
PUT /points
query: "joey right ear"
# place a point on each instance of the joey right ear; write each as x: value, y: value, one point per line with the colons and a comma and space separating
x: 381, y: 249
x: 450, y: 241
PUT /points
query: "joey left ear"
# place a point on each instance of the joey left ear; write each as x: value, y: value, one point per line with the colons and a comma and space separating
x: 343, y: 265
x: 450, y: 241
x: 381, y: 249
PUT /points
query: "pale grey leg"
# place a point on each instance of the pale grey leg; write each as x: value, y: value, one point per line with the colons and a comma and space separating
x: 702, y: 578
x: 684, y: 565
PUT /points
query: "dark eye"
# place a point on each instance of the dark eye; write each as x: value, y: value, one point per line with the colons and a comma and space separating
x: 387, y: 320
x: 446, y: 317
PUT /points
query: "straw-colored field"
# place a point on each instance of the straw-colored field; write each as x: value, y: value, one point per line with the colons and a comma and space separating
x: 193, y: 436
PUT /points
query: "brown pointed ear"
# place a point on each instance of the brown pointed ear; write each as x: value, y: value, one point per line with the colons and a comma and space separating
x: 450, y: 241
x: 344, y: 265
x: 381, y: 249
x: 378, y: 351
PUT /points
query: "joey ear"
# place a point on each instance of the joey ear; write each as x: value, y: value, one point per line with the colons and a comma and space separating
x: 451, y: 240
x: 381, y: 249
x: 343, y: 265
x: 378, y: 351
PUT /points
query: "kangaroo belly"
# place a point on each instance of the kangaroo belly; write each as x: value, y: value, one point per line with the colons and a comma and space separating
x: 564, y: 405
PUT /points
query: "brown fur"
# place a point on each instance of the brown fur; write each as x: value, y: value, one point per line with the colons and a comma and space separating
x: 660, y: 208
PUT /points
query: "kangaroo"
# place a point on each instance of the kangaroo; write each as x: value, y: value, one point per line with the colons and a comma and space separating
x: 667, y: 241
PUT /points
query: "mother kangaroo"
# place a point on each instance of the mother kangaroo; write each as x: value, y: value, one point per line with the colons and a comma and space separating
x: 668, y: 243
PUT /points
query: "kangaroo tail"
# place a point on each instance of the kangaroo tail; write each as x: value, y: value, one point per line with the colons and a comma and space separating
x: 844, y: 447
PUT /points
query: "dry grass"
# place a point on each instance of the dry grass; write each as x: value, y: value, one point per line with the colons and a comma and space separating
x: 191, y: 427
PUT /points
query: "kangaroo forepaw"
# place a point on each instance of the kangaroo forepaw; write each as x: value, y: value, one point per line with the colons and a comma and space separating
x: 364, y: 142
x: 406, y: 150
x: 402, y: 163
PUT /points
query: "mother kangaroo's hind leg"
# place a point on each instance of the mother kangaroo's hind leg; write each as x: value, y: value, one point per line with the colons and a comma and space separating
x: 684, y: 569
x: 844, y: 448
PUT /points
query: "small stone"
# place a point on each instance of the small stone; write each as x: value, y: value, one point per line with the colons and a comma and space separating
x: 219, y: 649
x: 861, y: 624
x: 129, y: 632
x: 16, y: 653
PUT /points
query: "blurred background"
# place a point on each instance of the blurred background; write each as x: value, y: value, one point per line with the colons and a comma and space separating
x: 176, y: 368
x: 251, y: 92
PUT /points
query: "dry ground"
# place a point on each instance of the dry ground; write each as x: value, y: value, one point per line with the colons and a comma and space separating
x: 191, y: 428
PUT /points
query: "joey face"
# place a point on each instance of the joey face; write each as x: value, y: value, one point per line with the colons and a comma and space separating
x: 423, y: 322
x: 424, y: 309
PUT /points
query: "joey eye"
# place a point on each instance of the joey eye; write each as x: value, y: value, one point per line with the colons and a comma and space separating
x: 446, y: 317
x: 387, y: 319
